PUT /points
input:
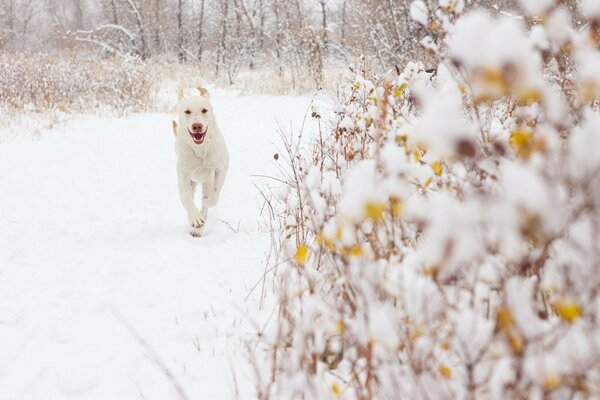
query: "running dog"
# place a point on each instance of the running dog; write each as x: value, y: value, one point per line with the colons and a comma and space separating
x: 202, y: 157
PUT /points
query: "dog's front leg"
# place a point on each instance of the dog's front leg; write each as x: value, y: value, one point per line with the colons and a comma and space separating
x: 212, y: 192
x: 207, y: 189
x: 195, y: 217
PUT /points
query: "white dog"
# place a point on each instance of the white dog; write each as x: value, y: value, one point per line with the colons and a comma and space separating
x: 202, y: 157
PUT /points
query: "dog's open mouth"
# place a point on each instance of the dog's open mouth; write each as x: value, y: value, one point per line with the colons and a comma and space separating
x: 198, y: 136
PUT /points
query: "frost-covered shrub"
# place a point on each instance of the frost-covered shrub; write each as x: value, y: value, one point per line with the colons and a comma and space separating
x: 441, y: 242
x: 81, y: 83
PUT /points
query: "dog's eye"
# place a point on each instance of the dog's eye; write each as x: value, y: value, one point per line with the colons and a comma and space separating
x: 187, y: 112
x: 204, y: 111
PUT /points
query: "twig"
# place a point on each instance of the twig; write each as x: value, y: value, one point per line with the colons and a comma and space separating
x: 235, y: 230
x: 153, y: 355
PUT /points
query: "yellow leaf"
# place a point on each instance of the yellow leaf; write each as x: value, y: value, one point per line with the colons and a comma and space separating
x: 522, y: 142
x: 301, y: 255
x: 494, y: 77
x: 396, y: 207
x: 504, y: 319
x: 356, y: 251
x: 445, y: 371
x: 400, y: 89
x: 437, y: 167
x: 515, y: 342
x: 528, y: 96
x: 431, y: 271
x: 338, y: 233
x: 324, y: 242
x: 417, y: 155
x: 489, y: 84
x: 445, y: 346
x: 568, y: 310
x: 401, y: 139
x: 320, y: 239
x: 341, y: 327
x: 374, y: 211
x: 356, y: 85
x: 551, y: 382
x: 335, y: 389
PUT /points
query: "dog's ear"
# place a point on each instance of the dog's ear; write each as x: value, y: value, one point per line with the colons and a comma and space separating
x: 203, y: 91
x: 174, y: 128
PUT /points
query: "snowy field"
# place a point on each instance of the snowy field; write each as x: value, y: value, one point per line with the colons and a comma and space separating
x: 93, y: 238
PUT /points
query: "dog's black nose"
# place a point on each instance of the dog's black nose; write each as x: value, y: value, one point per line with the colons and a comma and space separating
x: 197, y: 127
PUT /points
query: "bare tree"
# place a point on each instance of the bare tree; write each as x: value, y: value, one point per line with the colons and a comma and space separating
x: 78, y: 19
x: 324, y: 23
x: 222, y: 50
x: 114, y: 12
x: 200, y: 31
x: 180, y: 31
x: 135, y: 10
x: 157, y: 25
x: 7, y: 15
x: 297, y: 37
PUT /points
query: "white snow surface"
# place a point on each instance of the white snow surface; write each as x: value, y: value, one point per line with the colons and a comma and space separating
x: 92, y: 230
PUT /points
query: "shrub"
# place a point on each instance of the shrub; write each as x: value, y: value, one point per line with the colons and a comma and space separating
x: 440, y: 241
x: 80, y: 83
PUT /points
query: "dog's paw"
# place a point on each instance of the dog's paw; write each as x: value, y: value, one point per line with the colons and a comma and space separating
x: 197, y: 232
x: 197, y: 220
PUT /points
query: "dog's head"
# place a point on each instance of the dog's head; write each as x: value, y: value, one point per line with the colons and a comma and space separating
x: 195, y: 117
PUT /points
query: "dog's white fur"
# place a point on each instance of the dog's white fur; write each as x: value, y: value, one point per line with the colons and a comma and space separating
x: 204, y: 163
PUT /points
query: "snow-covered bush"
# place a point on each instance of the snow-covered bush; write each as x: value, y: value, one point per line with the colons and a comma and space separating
x: 80, y: 83
x: 441, y: 241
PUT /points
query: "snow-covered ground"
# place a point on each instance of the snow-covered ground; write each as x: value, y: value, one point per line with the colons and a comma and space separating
x: 92, y: 232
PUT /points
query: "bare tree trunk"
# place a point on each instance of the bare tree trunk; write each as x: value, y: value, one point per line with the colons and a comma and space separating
x: 180, y: 31
x: 114, y: 12
x: 157, y: 26
x: 201, y: 30
x: 324, y: 25
x: 142, y: 34
x: 27, y: 13
x: 223, y: 42
x: 278, y: 29
x: 299, y: 15
x: 343, y: 33
x: 395, y: 23
x: 78, y: 14
x: 11, y: 23
x: 261, y: 28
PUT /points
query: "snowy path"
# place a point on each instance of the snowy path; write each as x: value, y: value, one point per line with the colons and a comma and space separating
x: 91, y: 226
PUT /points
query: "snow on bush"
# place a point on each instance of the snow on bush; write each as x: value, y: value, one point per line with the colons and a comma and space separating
x: 83, y: 84
x: 441, y: 241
